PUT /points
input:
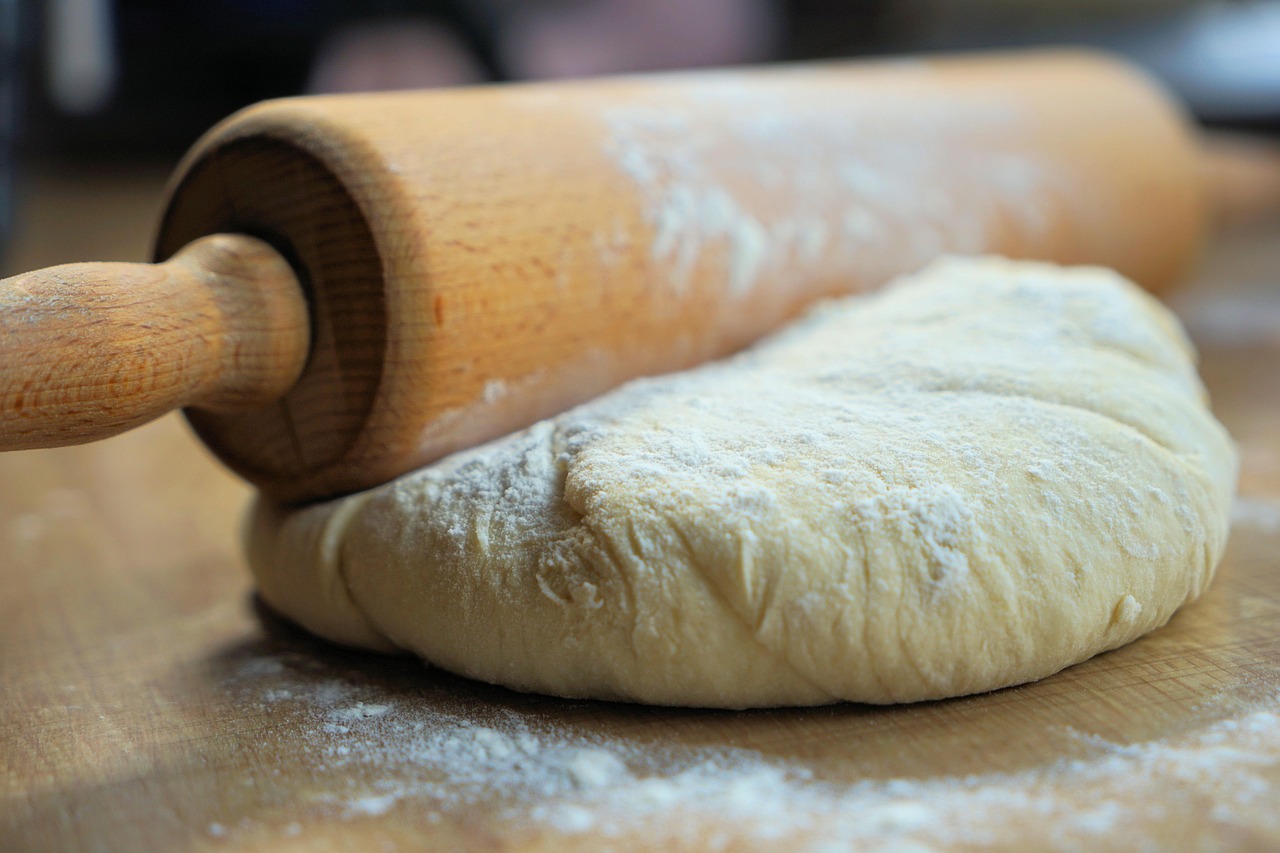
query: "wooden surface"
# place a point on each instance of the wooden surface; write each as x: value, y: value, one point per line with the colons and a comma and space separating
x: 146, y: 703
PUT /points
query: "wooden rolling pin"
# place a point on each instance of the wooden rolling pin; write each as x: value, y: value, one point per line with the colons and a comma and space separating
x: 398, y: 276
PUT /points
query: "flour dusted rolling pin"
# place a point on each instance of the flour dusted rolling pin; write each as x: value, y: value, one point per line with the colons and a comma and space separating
x: 398, y: 276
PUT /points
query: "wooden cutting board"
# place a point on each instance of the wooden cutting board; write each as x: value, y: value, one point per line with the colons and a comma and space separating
x: 147, y: 702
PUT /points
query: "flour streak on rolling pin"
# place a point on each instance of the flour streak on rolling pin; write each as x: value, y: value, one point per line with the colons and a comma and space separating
x: 399, y: 276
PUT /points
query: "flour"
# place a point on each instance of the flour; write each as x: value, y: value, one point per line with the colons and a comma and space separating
x: 837, y: 196
x: 422, y: 758
x: 493, y: 391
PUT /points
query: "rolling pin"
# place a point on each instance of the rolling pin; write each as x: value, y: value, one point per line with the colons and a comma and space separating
x: 349, y: 287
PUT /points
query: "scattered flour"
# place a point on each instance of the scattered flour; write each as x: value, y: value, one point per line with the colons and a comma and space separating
x: 494, y: 390
x: 370, y: 753
x: 816, y: 183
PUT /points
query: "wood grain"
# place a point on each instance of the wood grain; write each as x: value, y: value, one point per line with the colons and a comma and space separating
x: 89, y: 350
x: 137, y: 709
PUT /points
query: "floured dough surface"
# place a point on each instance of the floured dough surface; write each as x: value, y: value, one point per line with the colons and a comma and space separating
x: 982, y: 475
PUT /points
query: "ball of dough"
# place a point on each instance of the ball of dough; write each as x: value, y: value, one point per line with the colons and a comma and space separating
x: 988, y: 472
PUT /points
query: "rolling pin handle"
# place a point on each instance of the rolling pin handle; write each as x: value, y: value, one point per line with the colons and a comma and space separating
x: 91, y: 350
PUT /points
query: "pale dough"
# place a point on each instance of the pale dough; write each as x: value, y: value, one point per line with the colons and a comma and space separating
x: 987, y: 473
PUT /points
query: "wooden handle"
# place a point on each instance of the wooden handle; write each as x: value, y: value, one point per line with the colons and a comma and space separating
x: 90, y: 350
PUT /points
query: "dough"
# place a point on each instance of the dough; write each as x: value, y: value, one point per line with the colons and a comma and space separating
x: 987, y: 473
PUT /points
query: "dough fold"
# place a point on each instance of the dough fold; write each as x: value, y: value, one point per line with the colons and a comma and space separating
x: 988, y: 472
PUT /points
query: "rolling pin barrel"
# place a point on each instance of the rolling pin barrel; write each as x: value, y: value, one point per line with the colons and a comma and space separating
x: 476, y: 259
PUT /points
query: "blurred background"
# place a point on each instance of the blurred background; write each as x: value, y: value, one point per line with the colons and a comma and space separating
x: 110, y: 92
